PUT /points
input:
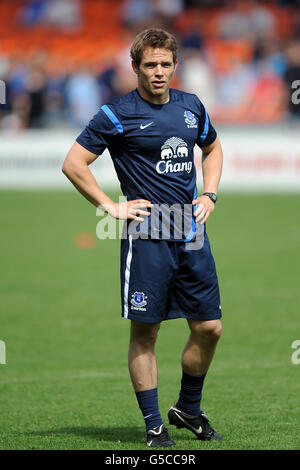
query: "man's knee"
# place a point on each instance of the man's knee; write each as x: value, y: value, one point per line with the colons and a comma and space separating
x: 144, y: 334
x: 215, y: 329
x: 210, y: 330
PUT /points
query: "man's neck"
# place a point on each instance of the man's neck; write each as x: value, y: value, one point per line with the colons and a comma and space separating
x: 153, y: 99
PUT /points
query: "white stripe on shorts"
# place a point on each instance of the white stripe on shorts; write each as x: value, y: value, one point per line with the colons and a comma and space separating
x: 127, y: 276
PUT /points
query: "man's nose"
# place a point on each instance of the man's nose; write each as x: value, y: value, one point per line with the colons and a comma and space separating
x: 159, y: 71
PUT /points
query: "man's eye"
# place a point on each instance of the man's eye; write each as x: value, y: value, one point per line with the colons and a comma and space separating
x: 151, y: 65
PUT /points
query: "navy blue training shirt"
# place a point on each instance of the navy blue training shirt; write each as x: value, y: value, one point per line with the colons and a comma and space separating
x: 151, y: 145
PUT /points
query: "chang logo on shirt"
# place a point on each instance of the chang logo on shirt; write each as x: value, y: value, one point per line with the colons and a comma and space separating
x: 190, y: 119
x: 173, y: 148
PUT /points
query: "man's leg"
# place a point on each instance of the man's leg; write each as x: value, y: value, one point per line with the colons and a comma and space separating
x: 143, y: 373
x: 143, y: 370
x: 200, y: 348
x: 196, y: 358
x: 141, y: 356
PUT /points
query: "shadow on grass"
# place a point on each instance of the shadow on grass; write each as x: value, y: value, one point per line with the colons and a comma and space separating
x: 109, y: 434
x: 123, y: 434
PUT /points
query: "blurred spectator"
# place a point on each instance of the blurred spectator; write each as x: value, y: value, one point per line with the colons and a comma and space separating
x: 65, y: 13
x: 124, y: 79
x: 232, y: 54
x: 16, y: 74
x: 106, y: 82
x: 269, y: 52
x: 123, y: 82
x: 83, y: 98
x: 35, y: 84
x: 234, y: 85
x: 136, y: 13
x: 266, y: 99
x: 246, y: 19
x: 192, y: 39
x: 55, y: 94
x: 32, y: 12
x: 17, y: 119
x: 167, y: 10
x: 196, y: 77
x: 35, y: 87
x: 141, y: 14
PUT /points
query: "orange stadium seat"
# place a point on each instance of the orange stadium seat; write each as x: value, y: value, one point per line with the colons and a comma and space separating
x: 100, y: 36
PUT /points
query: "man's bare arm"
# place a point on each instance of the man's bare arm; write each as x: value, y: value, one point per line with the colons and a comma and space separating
x: 76, y: 168
x: 212, y: 163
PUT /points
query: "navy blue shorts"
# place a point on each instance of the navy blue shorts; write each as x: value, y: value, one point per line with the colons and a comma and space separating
x: 161, y: 280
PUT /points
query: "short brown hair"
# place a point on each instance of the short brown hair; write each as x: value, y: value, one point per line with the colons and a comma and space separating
x: 153, y: 37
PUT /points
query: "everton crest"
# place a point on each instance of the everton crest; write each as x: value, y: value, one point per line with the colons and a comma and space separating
x: 190, y: 119
x: 138, y: 299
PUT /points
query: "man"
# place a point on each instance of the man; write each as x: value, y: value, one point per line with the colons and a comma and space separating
x: 150, y: 134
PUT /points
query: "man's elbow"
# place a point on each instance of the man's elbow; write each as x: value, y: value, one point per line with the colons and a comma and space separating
x: 65, y: 168
x: 68, y: 170
x: 69, y: 162
x: 76, y: 161
x: 68, y: 166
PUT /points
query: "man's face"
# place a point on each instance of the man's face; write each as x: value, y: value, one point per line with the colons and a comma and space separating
x: 155, y: 73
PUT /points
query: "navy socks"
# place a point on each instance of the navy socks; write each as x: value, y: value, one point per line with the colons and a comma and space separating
x: 148, y: 403
x: 191, y: 393
x: 189, y: 400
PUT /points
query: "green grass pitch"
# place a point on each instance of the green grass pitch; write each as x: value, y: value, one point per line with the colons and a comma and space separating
x: 65, y: 384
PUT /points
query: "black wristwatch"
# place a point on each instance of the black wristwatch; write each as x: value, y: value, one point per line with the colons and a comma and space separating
x: 212, y: 196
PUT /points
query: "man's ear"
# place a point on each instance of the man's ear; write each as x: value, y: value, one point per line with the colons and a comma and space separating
x: 134, y: 67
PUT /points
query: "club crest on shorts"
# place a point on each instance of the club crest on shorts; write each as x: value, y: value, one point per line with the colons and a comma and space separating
x: 138, y: 299
x: 190, y: 119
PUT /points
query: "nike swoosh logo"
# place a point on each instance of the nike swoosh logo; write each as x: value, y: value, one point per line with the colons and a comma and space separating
x: 156, y: 433
x: 197, y: 430
x: 147, y: 125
